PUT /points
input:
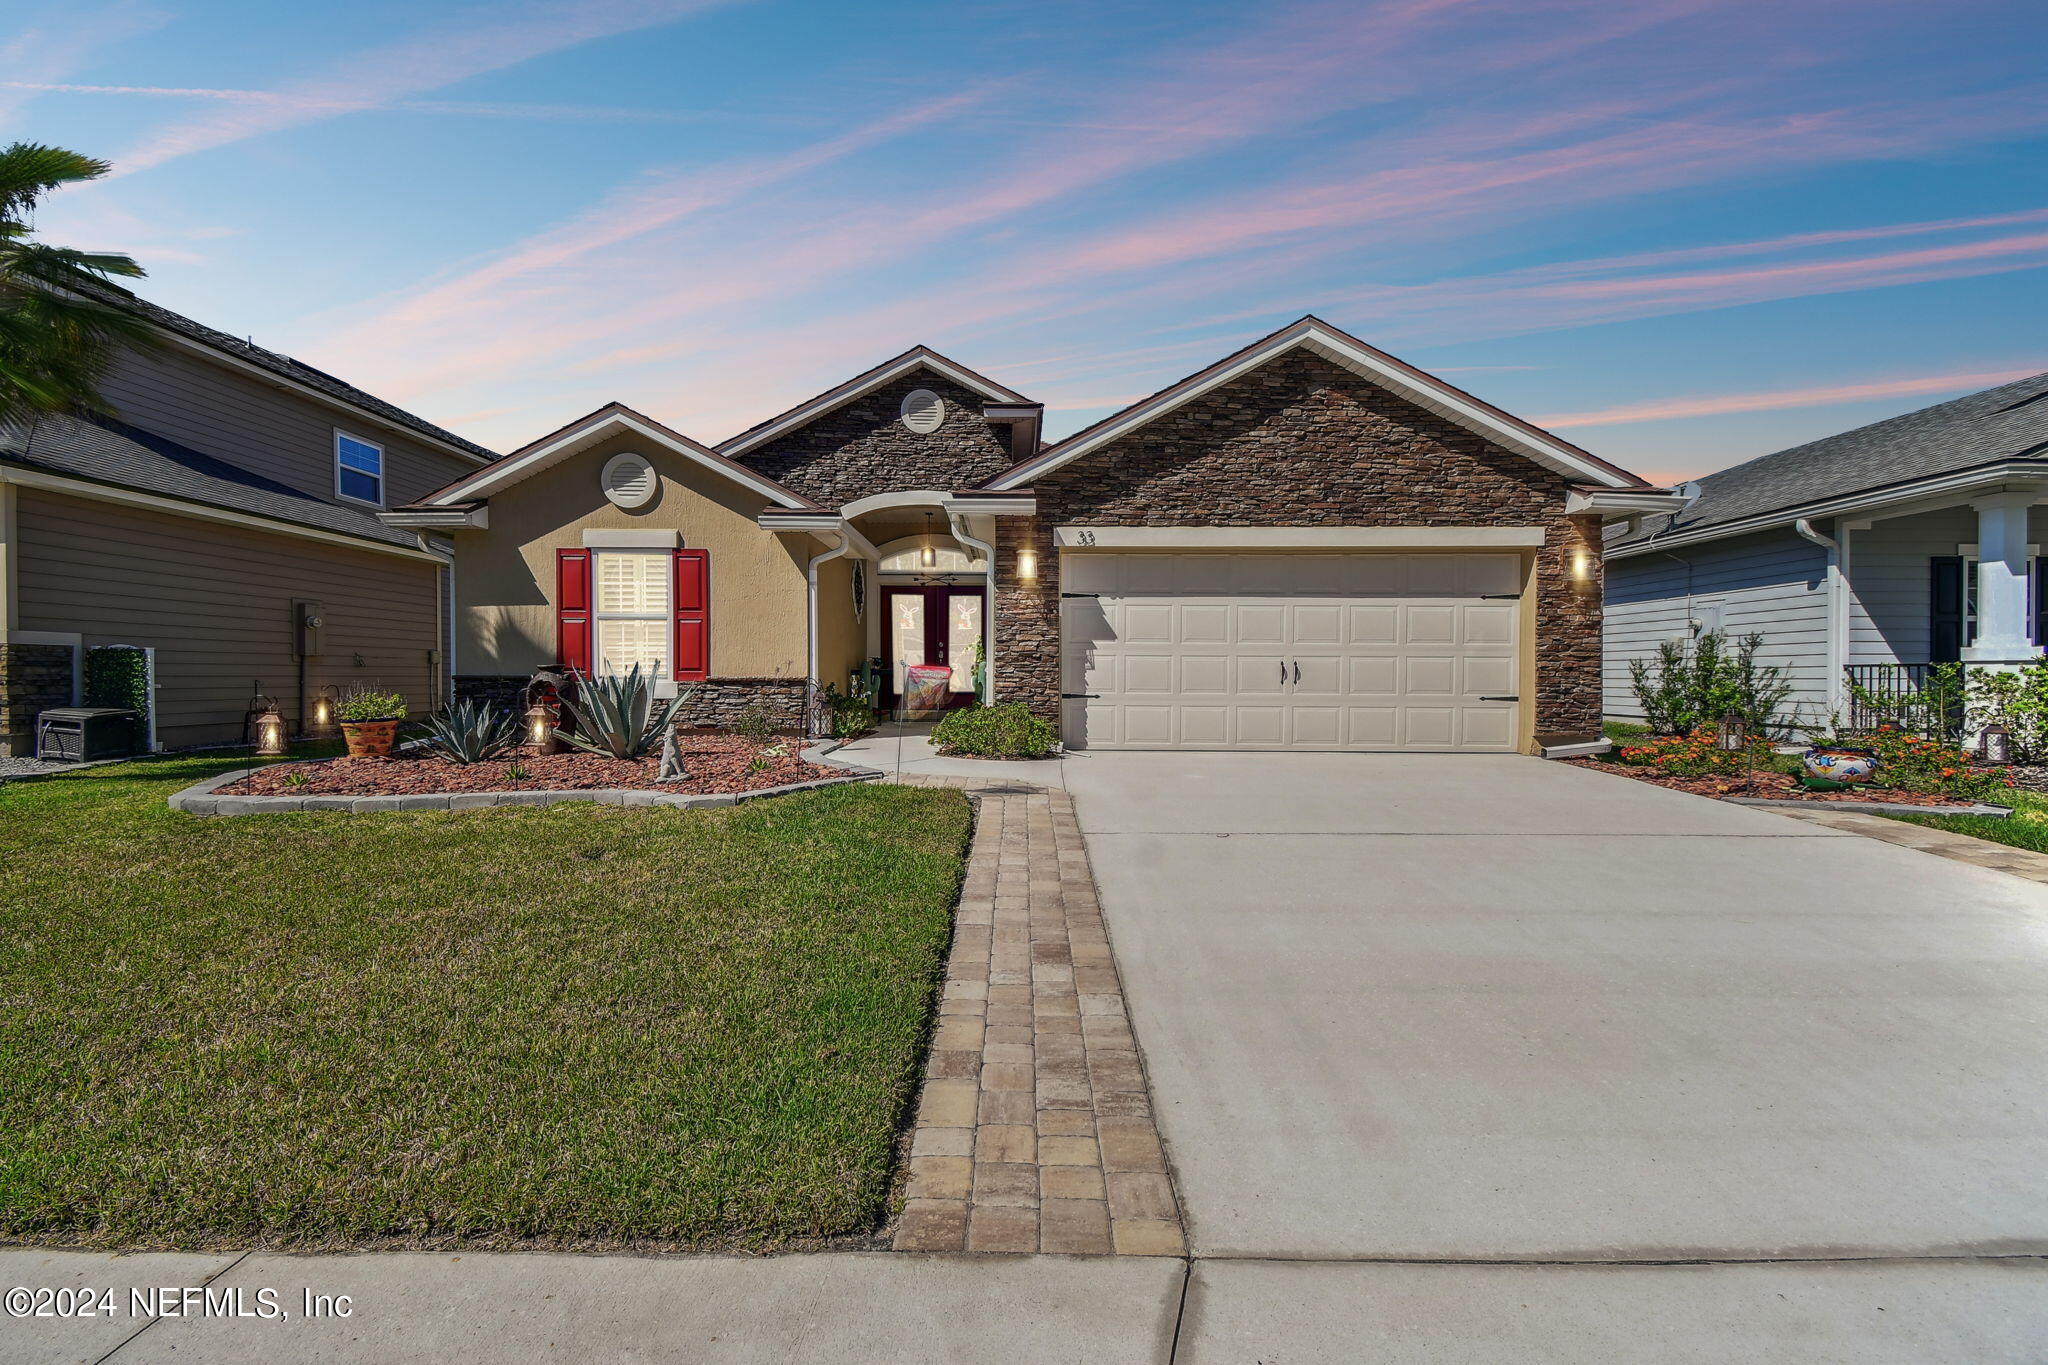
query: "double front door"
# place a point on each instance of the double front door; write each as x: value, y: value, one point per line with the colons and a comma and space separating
x: 937, y: 624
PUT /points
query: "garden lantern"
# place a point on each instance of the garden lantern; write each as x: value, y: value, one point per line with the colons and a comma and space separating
x: 266, y: 725
x: 1731, y: 735
x: 539, y: 719
x: 1994, y: 744
x: 323, y: 709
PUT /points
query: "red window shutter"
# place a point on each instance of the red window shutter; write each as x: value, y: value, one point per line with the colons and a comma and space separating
x: 693, y: 615
x: 572, y: 609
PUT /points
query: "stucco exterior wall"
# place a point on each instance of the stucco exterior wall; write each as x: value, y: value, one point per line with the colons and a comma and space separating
x: 842, y: 637
x: 505, y: 575
x: 1303, y: 442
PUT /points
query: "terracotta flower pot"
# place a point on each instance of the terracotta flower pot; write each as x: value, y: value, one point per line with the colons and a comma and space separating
x: 369, y: 738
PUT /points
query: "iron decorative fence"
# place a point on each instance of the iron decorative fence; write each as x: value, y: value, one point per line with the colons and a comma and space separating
x: 1924, y: 698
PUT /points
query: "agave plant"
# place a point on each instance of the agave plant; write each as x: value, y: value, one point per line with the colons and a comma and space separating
x: 612, y: 715
x: 465, y: 732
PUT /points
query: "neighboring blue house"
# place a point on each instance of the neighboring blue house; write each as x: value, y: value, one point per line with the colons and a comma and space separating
x: 1873, y: 553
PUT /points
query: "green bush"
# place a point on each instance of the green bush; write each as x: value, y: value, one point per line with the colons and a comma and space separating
x: 1693, y: 688
x: 118, y: 675
x: 852, y: 716
x: 2016, y: 698
x: 1006, y: 731
x: 1915, y: 763
x: 366, y: 704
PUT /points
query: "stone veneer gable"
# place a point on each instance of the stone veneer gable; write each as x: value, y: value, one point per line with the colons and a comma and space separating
x: 862, y: 447
x: 1301, y: 441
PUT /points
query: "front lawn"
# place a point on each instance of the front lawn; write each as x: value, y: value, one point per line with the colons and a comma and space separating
x: 2026, y: 827
x: 567, y: 1025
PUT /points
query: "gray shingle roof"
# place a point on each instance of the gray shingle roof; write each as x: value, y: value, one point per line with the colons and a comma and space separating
x: 300, y: 372
x: 2005, y: 423
x: 108, y: 451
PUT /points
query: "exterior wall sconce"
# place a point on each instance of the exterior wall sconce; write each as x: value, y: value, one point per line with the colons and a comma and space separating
x: 1027, y: 565
x: 266, y: 725
x: 1994, y: 744
x: 324, y: 702
x: 1578, y: 568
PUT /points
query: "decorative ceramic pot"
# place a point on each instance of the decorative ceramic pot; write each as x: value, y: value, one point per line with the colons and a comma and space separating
x: 1837, y: 763
x: 369, y: 738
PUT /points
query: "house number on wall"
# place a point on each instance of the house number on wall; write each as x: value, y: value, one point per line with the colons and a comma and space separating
x: 1086, y: 537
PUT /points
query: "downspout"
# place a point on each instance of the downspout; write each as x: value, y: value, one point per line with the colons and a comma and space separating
x: 1838, y: 618
x: 815, y: 688
x: 988, y: 610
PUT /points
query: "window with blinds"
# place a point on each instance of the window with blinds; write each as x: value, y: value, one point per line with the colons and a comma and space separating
x: 634, y: 623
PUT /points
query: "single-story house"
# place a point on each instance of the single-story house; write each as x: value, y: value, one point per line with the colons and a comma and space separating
x: 224, y: 517
x: 1306, y: 545
x: 1867, y: 555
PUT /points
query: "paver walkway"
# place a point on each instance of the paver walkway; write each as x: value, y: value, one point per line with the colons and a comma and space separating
x: 1035, y: 1131
x: 1942, y: 843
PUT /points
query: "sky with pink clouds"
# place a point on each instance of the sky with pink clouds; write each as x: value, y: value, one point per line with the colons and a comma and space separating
x: 1681, y: 232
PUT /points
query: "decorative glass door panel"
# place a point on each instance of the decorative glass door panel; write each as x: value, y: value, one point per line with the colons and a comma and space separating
x: 933, y: 625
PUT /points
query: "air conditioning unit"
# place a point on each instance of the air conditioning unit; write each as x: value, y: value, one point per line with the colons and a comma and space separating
x: 78, y: 734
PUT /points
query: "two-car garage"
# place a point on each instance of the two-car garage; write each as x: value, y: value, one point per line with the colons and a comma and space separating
x: 1308, y: 648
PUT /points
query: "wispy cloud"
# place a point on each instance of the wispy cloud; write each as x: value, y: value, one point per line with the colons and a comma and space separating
x: 319, y: 106
x: 1723, y: 404
x: 479, y: 42
x: 57, y: 49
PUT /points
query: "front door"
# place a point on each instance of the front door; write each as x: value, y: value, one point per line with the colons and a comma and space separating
x: 938, y: 624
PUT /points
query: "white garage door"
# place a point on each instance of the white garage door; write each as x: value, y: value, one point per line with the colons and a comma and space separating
x: 1290, y: 651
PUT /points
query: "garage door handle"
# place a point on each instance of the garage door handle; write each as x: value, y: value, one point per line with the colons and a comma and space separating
x: 1283, y: 672
x: 1297, y: 670
x: 1500, y: 699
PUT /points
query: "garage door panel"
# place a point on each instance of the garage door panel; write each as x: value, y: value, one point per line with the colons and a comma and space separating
x: 1308, y: 651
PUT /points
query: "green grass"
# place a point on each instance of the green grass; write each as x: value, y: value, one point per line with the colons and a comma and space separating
x: 2026, y: 827
x: 1622, y: 731
x: 575, y: 1025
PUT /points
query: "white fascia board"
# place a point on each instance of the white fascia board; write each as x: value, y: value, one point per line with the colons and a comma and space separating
x: 569, y: 443
x: 970, y: 505
x: 1298, y: 537
x: 632, y: 540
x: 808, y: 523
x: 1437, y: 397
x: 1622, y: 502
x: 826, y: 402
x: 273, y: 378
x: 1936, y: 492
x: 474, y: 519
x: 129, y: 497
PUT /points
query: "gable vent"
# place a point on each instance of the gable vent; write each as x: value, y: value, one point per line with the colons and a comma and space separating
x: 628, y: 480
x: 923, y: 410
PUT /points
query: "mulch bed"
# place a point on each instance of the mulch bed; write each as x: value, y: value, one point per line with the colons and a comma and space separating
x: 1766, y: 786
x: 715, y: 763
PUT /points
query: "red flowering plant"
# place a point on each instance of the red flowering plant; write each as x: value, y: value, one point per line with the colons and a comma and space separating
x: 1916, y: 763
x: 1698, y: 754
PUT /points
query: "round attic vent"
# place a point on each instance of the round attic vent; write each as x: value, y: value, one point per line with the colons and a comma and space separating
x: 923, y: 410
x: 628, y: 480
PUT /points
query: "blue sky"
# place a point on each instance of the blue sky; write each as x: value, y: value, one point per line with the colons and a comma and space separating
x: 1681, y: 232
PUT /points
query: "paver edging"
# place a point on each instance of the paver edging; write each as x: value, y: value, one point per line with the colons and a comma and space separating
x: 1872, y: 807
x: 201, y: 798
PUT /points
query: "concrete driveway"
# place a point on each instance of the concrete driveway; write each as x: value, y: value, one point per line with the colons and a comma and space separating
x: 1411, y: 1009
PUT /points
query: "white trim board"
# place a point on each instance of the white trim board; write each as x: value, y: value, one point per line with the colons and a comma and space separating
x: 1415, y: 386
x: 200, y: 512
x: 1298, y: 537
x: 632, y: 540
x: 586, y: 434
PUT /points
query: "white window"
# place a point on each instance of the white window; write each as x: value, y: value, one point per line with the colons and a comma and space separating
x: 944, y: 559
x: 358, y: 469
x: 634, y: 622
x: 1970, y: 599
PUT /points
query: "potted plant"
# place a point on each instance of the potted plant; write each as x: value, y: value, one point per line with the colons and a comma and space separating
x: 369, y: 721
x: 1832, y: 761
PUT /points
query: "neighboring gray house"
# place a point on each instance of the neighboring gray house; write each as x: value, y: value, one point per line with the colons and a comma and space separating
x: 1873, y: 553
x: 229, y: 501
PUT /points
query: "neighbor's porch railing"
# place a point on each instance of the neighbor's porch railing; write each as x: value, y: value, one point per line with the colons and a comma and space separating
x: 1924, y: 698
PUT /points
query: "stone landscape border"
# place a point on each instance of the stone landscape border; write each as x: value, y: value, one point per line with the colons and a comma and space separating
x: 1871, y: 807
x: 201, y: 798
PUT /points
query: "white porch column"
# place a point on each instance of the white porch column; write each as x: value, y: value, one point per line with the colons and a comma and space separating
x: 2002, y: 579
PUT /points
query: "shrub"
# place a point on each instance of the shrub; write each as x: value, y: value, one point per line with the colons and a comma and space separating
x: 1697, y: 755
x: 754, y: 724
x: 1693, y: 688
x: 465, y: 732
x: 1006, y: 731
x: 2016, y: 698
x: 365, y: 704
x: 118, y: 675
x: 851, y: 716
x: 1915, y: 763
